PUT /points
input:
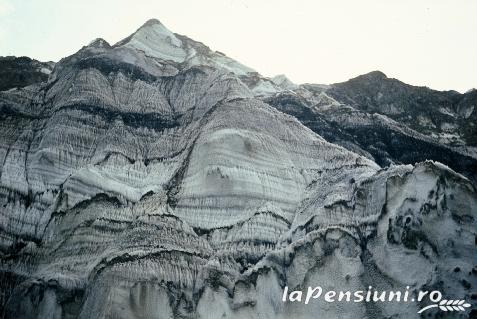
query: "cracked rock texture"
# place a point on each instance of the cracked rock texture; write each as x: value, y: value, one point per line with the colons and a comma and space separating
x: 156, y: 178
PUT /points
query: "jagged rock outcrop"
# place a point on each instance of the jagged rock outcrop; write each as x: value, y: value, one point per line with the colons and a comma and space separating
x: 145, y: 179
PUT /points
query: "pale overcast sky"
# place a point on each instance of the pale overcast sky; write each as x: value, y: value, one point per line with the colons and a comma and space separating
x: 421, y: 42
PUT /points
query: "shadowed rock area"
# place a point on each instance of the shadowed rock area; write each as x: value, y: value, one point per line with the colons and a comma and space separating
x: 18, y: 72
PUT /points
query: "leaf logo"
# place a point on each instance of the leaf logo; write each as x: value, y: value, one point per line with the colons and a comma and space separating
x: 448, y: 305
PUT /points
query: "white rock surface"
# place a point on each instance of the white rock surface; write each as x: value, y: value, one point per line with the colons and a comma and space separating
x: 132, y: 187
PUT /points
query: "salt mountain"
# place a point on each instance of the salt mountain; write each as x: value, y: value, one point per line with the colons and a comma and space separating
x: 156, y: 178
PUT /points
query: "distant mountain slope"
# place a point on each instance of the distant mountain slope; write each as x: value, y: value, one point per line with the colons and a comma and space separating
x: 17, y: 72
x: 448, y: 116
x: 371, y: 134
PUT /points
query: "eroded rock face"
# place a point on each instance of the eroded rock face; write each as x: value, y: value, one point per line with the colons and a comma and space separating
x: 139, y: 183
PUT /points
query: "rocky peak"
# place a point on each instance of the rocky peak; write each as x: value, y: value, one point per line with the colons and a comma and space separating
x: 378, y: 75
x: 371, y: 77
x: 155, y: 40
x: 99, y: 43
x: 152, y: 22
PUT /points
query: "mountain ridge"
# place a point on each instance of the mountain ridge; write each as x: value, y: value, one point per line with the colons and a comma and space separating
x: 446, y: 117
